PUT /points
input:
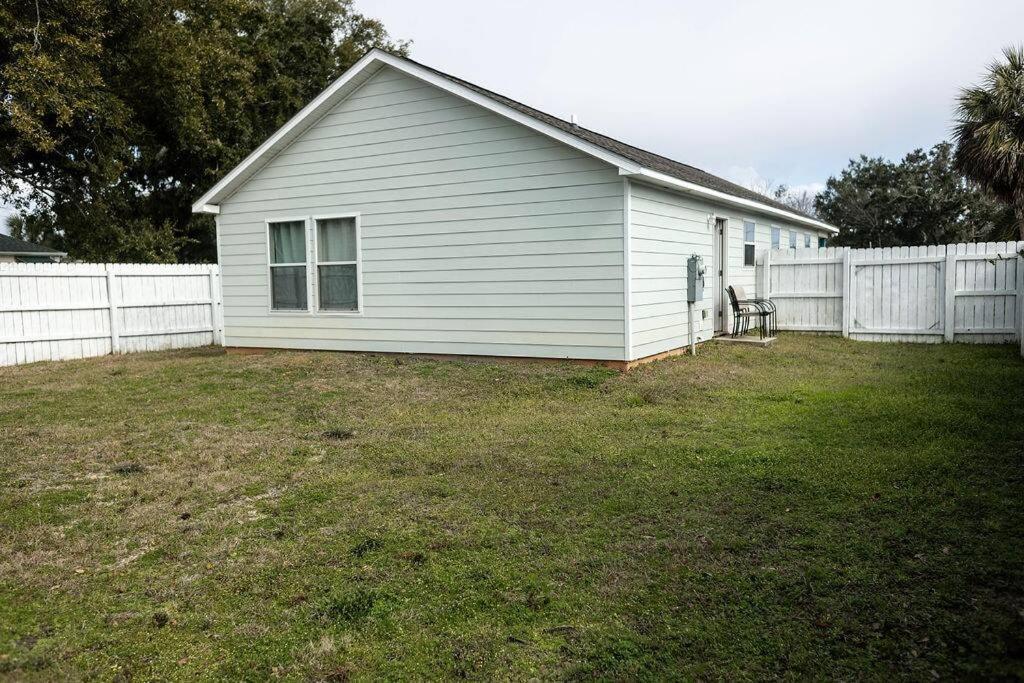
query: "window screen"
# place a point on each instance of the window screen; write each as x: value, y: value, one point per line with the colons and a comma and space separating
x: 288, y: 266
x: 807, y: 241
x: 749, y: 247
x: 776, y: 238
x: 337, y: 264
x: 792, y: 239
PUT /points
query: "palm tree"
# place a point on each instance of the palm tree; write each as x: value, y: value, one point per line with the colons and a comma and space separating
x: 990, y: 132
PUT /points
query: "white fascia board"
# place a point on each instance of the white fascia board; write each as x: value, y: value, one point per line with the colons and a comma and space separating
x: 699, y: 190
x: 373, y: 60
x: 208, y: 203
x: 416, y: 71
x: 33, y: 253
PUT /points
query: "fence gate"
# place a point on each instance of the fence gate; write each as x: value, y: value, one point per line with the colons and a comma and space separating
x: 957, y: 292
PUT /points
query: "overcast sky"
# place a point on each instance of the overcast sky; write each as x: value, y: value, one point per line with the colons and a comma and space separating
x: 787, y: 90
x: 784, y: 90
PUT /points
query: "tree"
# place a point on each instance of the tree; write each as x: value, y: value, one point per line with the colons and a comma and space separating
x: 989, y: 132
x: 922, y: 199
x: 115, y: 116
x: 802, y: 201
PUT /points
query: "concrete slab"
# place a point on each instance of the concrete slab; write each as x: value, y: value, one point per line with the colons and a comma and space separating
x: 751, y: 341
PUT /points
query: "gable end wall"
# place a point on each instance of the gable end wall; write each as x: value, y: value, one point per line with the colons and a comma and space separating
x: 478, y: 235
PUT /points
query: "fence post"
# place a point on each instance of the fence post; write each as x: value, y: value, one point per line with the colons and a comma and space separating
x: 216, y: 306
x: 766, y: 275
x: 847, y: 292
x: 1020, y: 299
x: 949, y: 295
x: 115, y: 332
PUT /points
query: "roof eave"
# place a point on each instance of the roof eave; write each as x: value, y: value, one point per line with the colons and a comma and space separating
x: 284, y: 136
x: 209, y: 202
x: 668, y: 181
x: 33, y: 253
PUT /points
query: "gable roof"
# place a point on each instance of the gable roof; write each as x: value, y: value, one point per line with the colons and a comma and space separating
x: 632, y: 162
x: 10, y: 245
x: 675, y: 169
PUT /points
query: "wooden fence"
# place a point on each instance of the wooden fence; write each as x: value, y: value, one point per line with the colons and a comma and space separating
x: 956, y: 292
x: 56, y: 311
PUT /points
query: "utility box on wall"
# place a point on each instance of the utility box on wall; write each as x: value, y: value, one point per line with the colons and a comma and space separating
x: 694, y: 279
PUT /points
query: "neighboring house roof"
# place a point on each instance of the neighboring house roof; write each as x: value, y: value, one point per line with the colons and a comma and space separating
x: 632, y: 161
x: 10, y: 245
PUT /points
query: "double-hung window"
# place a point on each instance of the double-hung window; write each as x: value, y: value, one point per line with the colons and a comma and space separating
x: 776, y: 238
x: 748, y: 243
x: 321, y: 278
x: 337, y: 264
x: 807, y: 241
x: 792, y: 239
x: 288, y: 285
x: 822, y: 242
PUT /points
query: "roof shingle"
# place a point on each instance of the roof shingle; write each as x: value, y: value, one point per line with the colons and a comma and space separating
x: 10, y: 245
x: 650, y: 160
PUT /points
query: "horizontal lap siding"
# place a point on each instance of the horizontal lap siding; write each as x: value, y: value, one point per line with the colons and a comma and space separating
x: 478, y: 235
x: 666, y: 228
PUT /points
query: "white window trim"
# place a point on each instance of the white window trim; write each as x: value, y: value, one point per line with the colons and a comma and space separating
x: 270, y: 265
x: 315, y: 260
x: 771, y: 234
x: 753, y: 242
x: 312, y: 284
x: 792, y: 244
x: 808, y: 240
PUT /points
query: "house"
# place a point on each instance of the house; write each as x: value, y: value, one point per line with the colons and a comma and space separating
x: 19, y: 251
x: 406, y: 210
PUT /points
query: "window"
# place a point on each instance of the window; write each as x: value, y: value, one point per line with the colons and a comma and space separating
x: 748, y: 243
x: 792, y: 239
x: 288, y: 266
x: 807, y: 241
x: 822, y: 242
x: 776, y: 238
x: 337, y: 264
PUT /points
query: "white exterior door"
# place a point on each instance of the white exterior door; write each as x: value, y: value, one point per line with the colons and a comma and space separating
x: 718, y: 252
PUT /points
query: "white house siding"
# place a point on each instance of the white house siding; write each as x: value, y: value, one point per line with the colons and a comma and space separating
x: 667, y: 227
x: 479, y: 236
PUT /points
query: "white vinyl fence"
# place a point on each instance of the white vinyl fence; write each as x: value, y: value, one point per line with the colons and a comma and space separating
x: 956, y: 292
x: 56, y: 311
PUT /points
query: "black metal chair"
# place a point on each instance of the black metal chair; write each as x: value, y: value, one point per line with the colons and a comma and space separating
x: 766, y: 305
x: 744, y: 310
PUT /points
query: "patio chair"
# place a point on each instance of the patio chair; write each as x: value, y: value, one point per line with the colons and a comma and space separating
x: 764, y: 304
x: 744, y: 310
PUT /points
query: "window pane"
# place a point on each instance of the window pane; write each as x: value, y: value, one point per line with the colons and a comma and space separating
x: 807, y: 241
x: 336, y: 239
x: 792, y: 240
x: 288, y: 288
x: 776, y: 236
x: 748, y: 254
x: 748, y: 231
x: 288, y: 242
x: 821, y: 242
x: 338, y: 288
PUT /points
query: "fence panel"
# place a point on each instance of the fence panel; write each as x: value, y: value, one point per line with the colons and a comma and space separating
x: 57, y: 311
x: 958, y: 292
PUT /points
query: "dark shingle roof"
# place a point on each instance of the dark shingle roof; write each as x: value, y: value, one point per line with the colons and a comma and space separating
x: 9, y: 245
x: 650, y: 160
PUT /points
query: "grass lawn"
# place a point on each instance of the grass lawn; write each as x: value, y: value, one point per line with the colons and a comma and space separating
x: 823, y: 508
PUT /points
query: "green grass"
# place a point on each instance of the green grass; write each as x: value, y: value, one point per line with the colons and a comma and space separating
x: 823, y: 508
